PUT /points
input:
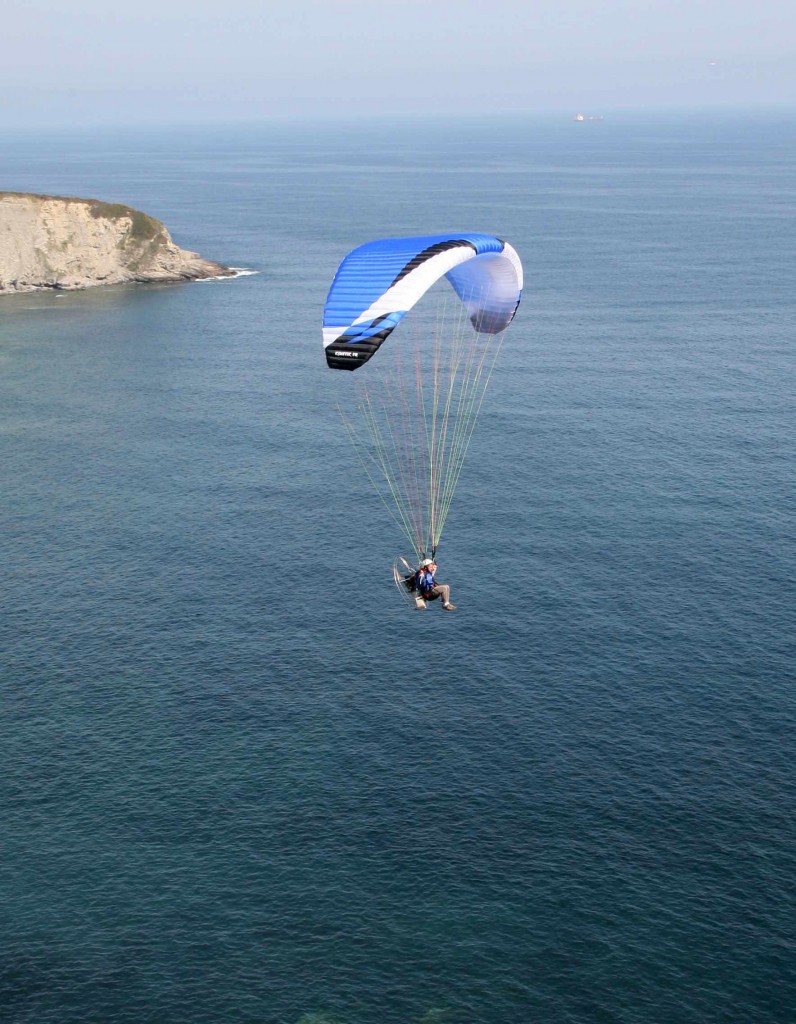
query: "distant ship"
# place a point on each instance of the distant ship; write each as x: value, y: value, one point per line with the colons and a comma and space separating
x: 588, y: 117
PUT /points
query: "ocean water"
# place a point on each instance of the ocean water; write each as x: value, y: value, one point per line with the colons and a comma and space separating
x: 239, y: 780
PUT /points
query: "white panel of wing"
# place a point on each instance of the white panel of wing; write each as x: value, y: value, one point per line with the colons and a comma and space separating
x: 410, y: 289
x: 489, y: 287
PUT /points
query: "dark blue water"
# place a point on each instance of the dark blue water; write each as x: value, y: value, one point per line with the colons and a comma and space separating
x: 239, y: 781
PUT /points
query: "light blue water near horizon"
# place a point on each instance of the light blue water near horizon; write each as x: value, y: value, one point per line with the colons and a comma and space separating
x: 238, y: 780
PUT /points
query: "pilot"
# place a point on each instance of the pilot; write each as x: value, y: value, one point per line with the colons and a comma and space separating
x: 428, y: 587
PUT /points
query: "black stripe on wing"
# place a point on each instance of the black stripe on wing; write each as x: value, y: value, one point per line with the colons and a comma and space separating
x: 349, y: 354
x: 432, y: 250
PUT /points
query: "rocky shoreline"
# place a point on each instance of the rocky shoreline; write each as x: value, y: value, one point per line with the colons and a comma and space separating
x: 69, y: 243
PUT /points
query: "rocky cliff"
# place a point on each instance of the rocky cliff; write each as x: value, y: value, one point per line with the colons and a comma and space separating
x: 58, y: 242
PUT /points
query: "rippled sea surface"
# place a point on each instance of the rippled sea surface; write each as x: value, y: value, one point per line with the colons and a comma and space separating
x: 239, y: 780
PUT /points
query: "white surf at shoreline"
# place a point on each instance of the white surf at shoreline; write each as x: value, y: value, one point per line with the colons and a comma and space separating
x: 237, y: 272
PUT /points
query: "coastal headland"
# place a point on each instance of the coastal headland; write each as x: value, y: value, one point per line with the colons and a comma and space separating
x: 69, y: 243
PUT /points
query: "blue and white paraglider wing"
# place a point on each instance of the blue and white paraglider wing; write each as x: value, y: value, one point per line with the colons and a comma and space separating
x: 378, y: 283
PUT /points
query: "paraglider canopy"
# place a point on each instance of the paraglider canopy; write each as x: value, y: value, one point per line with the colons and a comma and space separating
x: 378, y: 283
x: 411, y: 415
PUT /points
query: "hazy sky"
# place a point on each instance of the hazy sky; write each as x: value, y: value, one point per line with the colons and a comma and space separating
x: 190, y: 60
